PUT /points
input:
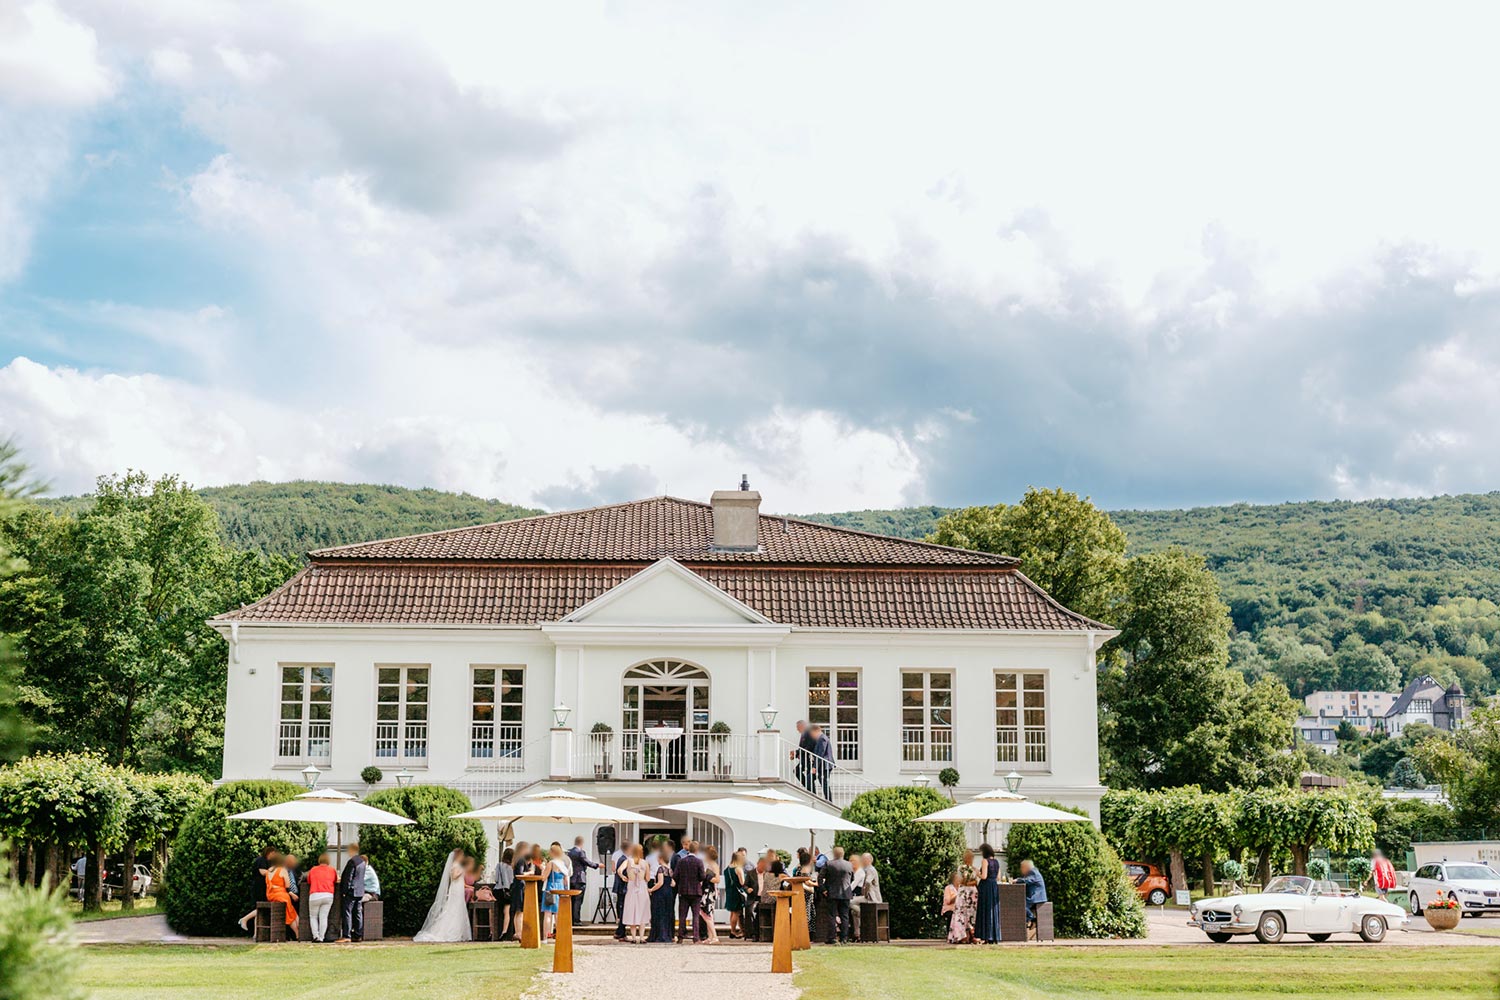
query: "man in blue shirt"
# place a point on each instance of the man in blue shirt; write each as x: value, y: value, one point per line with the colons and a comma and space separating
x: 1036, y: 888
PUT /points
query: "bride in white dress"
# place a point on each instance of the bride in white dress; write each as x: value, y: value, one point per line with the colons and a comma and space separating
x: 448, y: 920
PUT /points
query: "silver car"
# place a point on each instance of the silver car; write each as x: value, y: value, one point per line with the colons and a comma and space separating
x: 1295, y: 904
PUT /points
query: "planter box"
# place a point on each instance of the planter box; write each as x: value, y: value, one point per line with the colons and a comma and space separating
x: 1442, y: 920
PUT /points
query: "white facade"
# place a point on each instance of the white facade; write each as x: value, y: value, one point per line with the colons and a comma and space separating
x: 914, y: 701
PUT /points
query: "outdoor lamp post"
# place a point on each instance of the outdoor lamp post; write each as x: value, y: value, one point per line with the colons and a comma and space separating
x: 1012, y: 782
x: 768, y: 717
x: 310, y: 775
x: 560, y: 713
x: 403, y: 777
x: 922, y: 780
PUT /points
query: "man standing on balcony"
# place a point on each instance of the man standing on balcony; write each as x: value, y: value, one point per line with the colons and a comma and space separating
x: 579, y: 879
x: 822, y: 759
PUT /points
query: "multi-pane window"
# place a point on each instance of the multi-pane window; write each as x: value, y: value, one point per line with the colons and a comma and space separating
x: 401, y: 712
x: 1020, y: 718
x: 926, y: 717
x: 306, y: 712
x: 833, y: 703
x: 495, y: 729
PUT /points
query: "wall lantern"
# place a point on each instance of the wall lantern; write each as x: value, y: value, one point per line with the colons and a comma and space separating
x: 310, y: 775
x: 1012, y: 782
x: 560, y: 713
x: 768, y: 717
x: 403, y: 777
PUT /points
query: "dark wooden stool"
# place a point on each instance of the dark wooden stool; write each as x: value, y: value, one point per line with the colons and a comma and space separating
x: 1012, y: 903
x: 270, y: 923
x: 482, y: 922
x: 1043, y: 929
x: 765, y: 921
x: 374, y: 929
x: 874, y: 922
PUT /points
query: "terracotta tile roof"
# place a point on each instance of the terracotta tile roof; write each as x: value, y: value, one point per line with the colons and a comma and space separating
x: 437, y: 593
x: 648, y: 530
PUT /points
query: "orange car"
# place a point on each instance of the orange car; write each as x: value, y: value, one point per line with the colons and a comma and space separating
x: 1150, y: 883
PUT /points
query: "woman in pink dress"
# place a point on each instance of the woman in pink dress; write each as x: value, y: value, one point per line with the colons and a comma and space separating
x: 636, y: 914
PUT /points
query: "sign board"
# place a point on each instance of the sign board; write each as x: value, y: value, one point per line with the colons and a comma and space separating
x: 1184, y: 897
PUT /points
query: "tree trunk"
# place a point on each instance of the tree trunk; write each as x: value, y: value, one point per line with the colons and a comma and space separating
x: 1208, y: 874
x: 1263, y: 869
x: 45, y: 871
x: 92, y: 878
x: 1178, y: 870
x: 1299, y: 858
x: 127, y: 900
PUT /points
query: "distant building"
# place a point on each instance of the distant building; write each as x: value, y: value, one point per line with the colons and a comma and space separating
x: 1425, y: 700
x: 1321, y: 733
x: 1361, y: 709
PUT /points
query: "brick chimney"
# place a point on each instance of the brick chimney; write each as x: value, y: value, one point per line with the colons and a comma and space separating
x: 736, y: 518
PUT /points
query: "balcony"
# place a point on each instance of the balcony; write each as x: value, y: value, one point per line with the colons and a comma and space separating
x: 924, y: 747
x: 497, y: 746
x: 305, y: 741
x: 401, y: 741
x: 689, y: 757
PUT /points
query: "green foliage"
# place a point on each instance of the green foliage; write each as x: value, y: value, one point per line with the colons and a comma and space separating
x: 1066, y: 545
x: 1231, y: 870
x: 64, y: 799
x: 209, y: 881
x: 1359, y: 869
x: 38, y: 960
x: 1091, y: 895
x: 601, y: 727
x: 410, y: 858
x: 720, y: 728
x: 1406, y: 774
x: 1317, y: 869
x: 1401, y: 822
x: 1467, y: 765
x: 372, y: 775
x: 915, y: 860
x: 949, y: 779
x: 109, y: 617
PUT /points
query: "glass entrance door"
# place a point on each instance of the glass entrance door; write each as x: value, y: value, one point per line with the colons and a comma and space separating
x: 671, y: 694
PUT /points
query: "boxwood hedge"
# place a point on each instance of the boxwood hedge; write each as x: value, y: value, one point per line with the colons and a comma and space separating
x: 1091, y: 895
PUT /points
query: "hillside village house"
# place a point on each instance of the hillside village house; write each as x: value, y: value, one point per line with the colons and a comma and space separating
x: 659, y: 651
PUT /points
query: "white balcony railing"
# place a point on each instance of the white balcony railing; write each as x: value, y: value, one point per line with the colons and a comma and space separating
x: 693, y: 756
x: 823, y: 777
x: 926, y: 746
x: 310, y: 741
x: 846, y: 746
x: 401, y: 741
x: 498, y: 744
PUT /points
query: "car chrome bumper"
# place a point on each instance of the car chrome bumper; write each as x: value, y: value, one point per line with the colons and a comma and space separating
x: 1219, y: 927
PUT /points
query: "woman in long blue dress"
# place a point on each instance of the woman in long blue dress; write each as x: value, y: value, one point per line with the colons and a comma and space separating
x: 987, y: 927
x: 661, y: 896
x: 558, y: 869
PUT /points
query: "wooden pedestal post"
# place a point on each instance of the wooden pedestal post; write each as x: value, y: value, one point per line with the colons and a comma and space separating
x: 562, y: 946
x: 531, y: 924
x: 781, y: 939
x: 801, y: 939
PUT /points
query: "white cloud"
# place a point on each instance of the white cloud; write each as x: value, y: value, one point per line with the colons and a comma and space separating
x: 48, y: 59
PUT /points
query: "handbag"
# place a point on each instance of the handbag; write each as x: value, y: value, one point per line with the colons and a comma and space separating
x: 484, y: 894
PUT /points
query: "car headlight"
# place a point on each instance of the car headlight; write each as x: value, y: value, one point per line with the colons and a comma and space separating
x: 1238, y: 910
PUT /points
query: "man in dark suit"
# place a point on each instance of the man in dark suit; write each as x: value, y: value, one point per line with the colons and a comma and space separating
x: 352, y: 891
x: 687, y: 876
x: 822, y: 760
x: 580, y: 876
x: 837, y: 878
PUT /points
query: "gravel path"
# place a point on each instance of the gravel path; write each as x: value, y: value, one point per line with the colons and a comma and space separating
x: 623, y: 972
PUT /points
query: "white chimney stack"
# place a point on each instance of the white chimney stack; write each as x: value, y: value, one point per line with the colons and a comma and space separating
x: 736, y: 518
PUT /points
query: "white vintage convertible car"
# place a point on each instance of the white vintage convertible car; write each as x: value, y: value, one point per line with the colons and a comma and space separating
x: 1295, y: 904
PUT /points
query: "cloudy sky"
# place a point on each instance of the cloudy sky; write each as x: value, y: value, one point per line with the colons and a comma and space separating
x: 569, y: 253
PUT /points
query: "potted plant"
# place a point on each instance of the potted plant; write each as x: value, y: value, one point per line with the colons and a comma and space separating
x: 603, y: 736
x: 1232, y: 871
x: 717, y: 734
x: 1442, y: 914
x: 948, y: 778
x: 372, y: 775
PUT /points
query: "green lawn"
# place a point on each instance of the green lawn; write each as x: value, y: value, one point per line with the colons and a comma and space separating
x: 112, y: 909
x: 382, y: 972
x: 1127, y: 972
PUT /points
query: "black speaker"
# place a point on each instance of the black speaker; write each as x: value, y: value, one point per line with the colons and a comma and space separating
x: 604, y: 841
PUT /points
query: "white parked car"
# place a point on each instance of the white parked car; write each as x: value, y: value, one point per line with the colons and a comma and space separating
x: 1475, y: 886
x: 1295, y: 904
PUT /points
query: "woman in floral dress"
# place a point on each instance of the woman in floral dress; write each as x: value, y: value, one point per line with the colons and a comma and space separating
x: 966, y: 907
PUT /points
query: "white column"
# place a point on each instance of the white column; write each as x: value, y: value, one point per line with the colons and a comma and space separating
x: 768, y: 745
x: 561, y: 766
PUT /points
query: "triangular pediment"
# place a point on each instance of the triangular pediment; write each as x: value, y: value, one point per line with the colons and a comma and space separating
x: 666, y: 593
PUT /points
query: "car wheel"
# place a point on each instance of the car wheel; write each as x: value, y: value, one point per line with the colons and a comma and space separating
x: 1414, y: 901
x: 1271, y: 928
x: 1220, y: 938
x: 1372, y: 928
x: 1157, y: 897
x: 1320, y: 938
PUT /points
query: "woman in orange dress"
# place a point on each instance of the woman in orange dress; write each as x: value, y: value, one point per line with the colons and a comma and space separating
x: 277, y: 892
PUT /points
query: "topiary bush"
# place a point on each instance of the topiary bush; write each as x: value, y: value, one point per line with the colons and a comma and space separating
x: 915, y: 860
x: 1360, y: 869
x: 1231, y: 870
x: 409, y: 859
x: 209, y: 881
x: 1317, y: 869
x: 1091, y: 895
x: 372, y: 775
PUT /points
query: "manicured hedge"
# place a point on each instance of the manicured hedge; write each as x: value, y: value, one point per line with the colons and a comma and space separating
x: 1091, y: 895
x: 409, y: 859
x: 37, y: 958
x: 209, y: 881
x: 915, y: 860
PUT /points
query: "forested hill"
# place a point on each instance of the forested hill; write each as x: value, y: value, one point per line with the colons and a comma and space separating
x: 292, y: 518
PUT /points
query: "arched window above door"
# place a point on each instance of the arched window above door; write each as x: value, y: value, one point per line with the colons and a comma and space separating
x: 665, y: 672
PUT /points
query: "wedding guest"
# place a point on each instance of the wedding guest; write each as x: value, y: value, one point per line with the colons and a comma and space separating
x: 352, y: 889
x: 277, y: 891
x: 837, y: 876
x: 734, y: 893
x: 258, y: 867
x: 1036, y: 888
x: 636, y: 874
x: 471, y: 876
x: 958, y: 933
x: 505, y: 877
x: 711, y: 878
x: 869, y: 889
x: 805, y: 868
x: 1382, y: 873
x: 662, y: 895
x: 321, y: 878
x: 558, y: 871
x: 372, y: 880
x: 987, y: 926
x: 293, y: 866
x: 617, y: 858
x: 687, y: 876
x: 968, y: 893
x: 579, y: 859
x: 521, y: 862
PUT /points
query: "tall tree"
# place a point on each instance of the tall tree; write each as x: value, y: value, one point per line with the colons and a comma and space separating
x: 15, y: 486
x: 1066, y: 545
x: 1467, y: 765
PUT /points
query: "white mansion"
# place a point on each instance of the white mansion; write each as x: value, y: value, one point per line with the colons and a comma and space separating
x: 648, y: 652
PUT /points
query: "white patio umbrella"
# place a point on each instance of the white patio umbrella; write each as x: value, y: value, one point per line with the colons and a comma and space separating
x: 558, y: 806
x: 326, y: 805
x: 768, y: 806
x: 1000, y: 806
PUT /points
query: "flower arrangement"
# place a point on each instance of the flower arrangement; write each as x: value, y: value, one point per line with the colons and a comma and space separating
x: 1442, y: 903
